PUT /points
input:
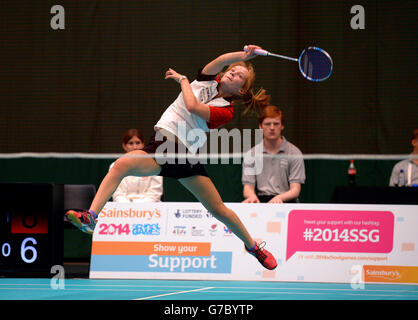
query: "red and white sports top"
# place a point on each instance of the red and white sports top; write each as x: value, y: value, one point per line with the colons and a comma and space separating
x: 189, y: 128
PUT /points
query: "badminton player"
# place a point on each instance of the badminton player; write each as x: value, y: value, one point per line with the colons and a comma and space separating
x: 206, y: 103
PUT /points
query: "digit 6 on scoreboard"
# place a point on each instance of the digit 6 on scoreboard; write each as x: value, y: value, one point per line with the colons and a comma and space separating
x: 27, y: 248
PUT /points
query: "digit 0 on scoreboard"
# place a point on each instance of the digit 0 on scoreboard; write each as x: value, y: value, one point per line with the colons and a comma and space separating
x: 29, y: 222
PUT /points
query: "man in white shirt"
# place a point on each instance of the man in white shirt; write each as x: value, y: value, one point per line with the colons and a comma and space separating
x: 409, y: 167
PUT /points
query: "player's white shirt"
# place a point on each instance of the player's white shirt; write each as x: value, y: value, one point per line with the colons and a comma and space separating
x: 189, y: 128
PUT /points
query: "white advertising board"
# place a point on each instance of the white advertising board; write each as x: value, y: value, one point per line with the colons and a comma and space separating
x: 311, y: 242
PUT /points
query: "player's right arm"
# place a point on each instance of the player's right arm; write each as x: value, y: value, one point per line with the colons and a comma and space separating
x: 217, y: 65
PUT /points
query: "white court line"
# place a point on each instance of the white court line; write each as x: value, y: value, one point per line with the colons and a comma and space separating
x: 172, y: 293
x: 82, y: 289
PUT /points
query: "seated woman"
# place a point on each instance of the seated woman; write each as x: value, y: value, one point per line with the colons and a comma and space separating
x: 134, y: 188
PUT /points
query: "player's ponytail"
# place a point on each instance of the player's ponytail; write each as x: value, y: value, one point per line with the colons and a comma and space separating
x: 256, y: 103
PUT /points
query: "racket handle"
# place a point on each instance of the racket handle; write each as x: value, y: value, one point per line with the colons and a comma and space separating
x: 260, y: 52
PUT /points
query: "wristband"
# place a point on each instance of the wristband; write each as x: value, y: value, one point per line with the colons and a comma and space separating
x: 181, y: 78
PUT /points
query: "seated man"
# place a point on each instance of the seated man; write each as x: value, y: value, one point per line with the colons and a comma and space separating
x: 280, y: 178
x: 409, y: 167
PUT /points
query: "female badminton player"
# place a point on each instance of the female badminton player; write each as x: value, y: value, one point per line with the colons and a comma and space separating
x: 204, y: 104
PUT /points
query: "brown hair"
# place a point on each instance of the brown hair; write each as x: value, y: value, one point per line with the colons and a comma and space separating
x: 271, y: 112
x: 414, y: 134
x: 129, y: 134
x: 253, y: 102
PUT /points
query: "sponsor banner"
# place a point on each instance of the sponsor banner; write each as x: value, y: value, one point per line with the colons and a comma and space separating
x: 339, y: 231
x: 397, y: 274
x: 311, y: 242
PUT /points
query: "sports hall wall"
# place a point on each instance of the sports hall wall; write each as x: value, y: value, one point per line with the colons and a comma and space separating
x: 78, y: 89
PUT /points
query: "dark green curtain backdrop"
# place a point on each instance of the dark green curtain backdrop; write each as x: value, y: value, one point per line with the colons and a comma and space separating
x: 79, y: 89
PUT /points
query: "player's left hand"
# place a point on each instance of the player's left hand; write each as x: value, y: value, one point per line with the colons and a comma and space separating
x: 172, y: 74
x: 250, y: 53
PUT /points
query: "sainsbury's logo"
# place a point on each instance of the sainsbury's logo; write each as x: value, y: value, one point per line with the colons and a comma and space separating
x: 130, y: 213
x: 384, y: 274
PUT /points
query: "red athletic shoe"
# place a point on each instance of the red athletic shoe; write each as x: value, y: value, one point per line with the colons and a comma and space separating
x: 84, y: 220
x: 263, y: 256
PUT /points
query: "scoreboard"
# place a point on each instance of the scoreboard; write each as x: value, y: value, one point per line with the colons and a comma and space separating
x: 31, y: 228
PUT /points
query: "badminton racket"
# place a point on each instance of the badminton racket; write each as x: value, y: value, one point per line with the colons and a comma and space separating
x: 315, y: 64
